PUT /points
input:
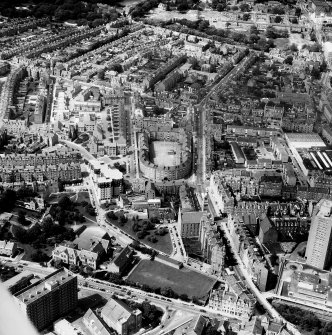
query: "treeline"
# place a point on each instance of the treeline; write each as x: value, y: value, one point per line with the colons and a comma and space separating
x: 8, y: 197
x: 307, y: 320
x: 202, y: 28
x: 46, y: 233
x: 83, y: 12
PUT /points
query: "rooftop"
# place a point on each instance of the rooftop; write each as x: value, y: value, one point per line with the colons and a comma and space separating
x: 44, y: 286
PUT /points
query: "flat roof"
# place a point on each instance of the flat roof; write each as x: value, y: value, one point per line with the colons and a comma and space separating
x: 42, y: 287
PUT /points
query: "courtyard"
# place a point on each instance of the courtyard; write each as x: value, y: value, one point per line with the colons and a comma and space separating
x: 164, y: 153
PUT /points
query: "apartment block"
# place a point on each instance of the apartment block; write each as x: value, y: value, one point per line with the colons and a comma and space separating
x: 48, y: 299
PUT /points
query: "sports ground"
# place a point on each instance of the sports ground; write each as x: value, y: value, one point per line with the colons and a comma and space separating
x: 183, y: 281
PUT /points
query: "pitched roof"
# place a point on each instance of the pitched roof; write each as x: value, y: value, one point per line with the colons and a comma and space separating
x: 93, y: 321
x: 265, y: 223
x: 122, y: 258
x: 116, y: 311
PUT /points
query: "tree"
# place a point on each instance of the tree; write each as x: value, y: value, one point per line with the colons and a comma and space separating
x: 58, y: 263
x: 289, y: 60
x: 315, y: 73
x: 293, y: 47
x: 227, y: 24
x: 254, y: 30
x: 184, y: 297
x: 21, y: 218
x: 135, y: 227
x: 140, y: 235
x: 253, y: 38
x: 116, y: 67
x: 97, y: 22
x: 65, y: 203
x: 278, y: 19
x: 278, y: 10
x: 90, y: 210
x: 101, y: 74
x: 244, y: 7
x: 246, y: 17
x: 297, y: 11
x: 270, y: 32
x: 39, y: 257
x: 204, y: 24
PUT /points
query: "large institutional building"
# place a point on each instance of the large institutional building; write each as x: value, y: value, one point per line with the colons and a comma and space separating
x: 319, y: 246
x: 48, y: 299
x: 179, y: 162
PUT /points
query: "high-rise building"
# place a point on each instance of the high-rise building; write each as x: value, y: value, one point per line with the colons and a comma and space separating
x: 319, y: 246
x: 48, y: 299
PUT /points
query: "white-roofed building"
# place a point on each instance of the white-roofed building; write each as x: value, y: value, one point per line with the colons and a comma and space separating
x: 120, y: 317
x: 107, y: 180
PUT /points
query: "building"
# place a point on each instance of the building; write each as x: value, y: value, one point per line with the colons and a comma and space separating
x: 178, y: 165
x: 7, y: 248
x: 94, y: 324
x: 40, y: 108
x: 190, y: 222
x: 270, y: 186
x: 48, y: 299
x: 232, y: 304
x: 118, y: 316
x: 169, y: 261
x: 121, y: 261
x: 63, y: 327
x: 193, y: 326
x: 108, y: 181
x: 319, y: 246
x: 219, y: 195
x: 279, y: 149
x: 237, y: 153
x: 87, y: 250
x: 267, y: 231
x: 311, y: 287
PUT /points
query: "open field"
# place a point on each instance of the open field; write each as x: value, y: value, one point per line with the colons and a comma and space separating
x: 165, y: 153
x: 184, y: 281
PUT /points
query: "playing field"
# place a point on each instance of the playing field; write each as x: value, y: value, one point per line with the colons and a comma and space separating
x: 165, y: 153
x: 184, y: 281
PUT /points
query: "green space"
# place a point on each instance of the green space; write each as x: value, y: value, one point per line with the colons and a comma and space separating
x: 83, y: 205
x: 143, y: 230
x: 307, y: 321
x: 182, y: 281
x: 69, y: 211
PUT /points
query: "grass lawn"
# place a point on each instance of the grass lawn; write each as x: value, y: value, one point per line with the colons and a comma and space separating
x: 281, y: 43
x: 81, y: 196
x: 184, y: 281
x: 164, y: 243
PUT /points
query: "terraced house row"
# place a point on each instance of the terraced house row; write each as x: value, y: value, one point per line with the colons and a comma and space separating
x: 40, y: 173
x: 19, y: 26
x: 34, y: 160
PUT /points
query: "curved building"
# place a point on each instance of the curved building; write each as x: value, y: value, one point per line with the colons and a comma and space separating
x: 165, y: 154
